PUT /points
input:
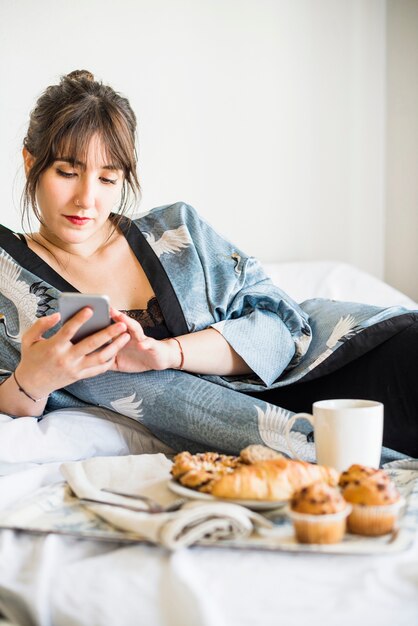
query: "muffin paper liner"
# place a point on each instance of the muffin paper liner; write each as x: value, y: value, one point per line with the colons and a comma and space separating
x: 374, y: 520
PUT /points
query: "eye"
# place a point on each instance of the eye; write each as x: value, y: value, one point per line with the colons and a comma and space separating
x: 108, y: 181
x: 65, y: 174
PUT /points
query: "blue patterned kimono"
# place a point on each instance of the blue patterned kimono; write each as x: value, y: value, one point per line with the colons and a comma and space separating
x: 201, y: 280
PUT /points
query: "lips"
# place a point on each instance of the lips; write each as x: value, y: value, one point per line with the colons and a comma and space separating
x: 78, y: 221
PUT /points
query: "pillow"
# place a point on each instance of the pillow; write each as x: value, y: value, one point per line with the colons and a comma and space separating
x: 337, y: 281
x: 71, y: 435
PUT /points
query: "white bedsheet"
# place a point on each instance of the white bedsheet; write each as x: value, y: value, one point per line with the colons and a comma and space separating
x: 59, y: 581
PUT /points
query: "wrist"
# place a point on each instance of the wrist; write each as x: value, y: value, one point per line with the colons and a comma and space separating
x: 177, y: 354
x: 28, y: 388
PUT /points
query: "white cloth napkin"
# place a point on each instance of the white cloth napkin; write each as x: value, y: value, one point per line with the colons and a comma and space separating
x: 148, y: 475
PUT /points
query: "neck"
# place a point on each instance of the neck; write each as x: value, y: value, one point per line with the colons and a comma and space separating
x: 85, y: 249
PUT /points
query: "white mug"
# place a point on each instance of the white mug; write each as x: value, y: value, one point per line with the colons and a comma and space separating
x: 346, y: 432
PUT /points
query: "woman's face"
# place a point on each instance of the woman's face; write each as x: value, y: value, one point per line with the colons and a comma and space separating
x: 75, y: 200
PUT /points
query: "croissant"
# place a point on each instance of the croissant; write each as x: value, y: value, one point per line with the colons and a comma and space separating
x: 275, y: 479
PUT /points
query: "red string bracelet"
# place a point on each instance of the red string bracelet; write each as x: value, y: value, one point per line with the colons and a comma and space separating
x: 180, y: 367
x: 26, y: 393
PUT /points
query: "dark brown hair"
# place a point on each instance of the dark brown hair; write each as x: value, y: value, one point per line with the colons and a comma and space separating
x: 63, y: 122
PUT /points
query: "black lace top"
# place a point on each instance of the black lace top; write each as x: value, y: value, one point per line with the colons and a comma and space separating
x: 151, y: 319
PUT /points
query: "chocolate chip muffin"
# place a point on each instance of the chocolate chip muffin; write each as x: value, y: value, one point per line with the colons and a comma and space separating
x: 375, y: 502
x: 319, y: 514
x: 357, y: 473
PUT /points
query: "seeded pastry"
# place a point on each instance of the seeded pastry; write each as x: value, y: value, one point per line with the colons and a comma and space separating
x: 199, y: 471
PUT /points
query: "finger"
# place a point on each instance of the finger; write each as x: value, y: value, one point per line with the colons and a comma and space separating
x: 97, y: 370
x: 70, y: 327
x: 99, y: 339
x: 133, y: 326
x: 42, y: 324
x: 107, y: 353
x: 115, y: 314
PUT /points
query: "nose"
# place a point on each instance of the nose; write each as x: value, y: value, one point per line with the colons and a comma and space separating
x: 85, y: 193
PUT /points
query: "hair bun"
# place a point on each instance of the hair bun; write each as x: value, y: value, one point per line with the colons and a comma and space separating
x: 79, y: 75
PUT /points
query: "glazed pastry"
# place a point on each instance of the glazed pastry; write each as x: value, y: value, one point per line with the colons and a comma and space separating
x: 275, y: 479
x: 319, y: 514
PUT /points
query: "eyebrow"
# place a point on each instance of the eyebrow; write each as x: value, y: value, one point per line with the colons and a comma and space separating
x: 83, y: 165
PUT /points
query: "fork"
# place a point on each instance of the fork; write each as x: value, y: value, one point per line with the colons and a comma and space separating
x: 152, y: 504
x: 155, y: 508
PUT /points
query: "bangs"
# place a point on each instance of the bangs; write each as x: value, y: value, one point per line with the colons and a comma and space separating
x: 115, y: 148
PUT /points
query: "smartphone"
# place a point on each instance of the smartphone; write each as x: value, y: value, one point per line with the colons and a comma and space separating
x: 70, y: 303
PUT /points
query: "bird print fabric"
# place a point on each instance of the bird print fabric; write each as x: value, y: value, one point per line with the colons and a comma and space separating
x: 200, y: 280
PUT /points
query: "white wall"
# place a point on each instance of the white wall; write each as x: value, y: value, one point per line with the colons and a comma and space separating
x: 267, y: 115
x: 402, y: 146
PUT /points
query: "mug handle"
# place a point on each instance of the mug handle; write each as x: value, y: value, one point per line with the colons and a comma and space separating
x: 289, y: 426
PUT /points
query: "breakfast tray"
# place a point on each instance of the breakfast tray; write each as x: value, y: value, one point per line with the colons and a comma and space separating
x: 53, y: 509
x: 282, y: 538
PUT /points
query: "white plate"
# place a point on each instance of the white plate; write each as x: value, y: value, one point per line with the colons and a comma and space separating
x: 254, y: 505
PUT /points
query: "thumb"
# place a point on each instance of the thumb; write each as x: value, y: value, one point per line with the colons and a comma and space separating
x: 42, y: 324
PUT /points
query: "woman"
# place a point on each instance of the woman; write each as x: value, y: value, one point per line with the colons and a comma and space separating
x: 184, y: 301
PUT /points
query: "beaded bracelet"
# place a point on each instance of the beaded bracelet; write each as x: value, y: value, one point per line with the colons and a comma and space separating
x: 181, y: 354
x: 26, y: 393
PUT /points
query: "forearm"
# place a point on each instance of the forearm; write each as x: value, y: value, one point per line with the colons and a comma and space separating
x: 207, y: 352
x: 17, y: 403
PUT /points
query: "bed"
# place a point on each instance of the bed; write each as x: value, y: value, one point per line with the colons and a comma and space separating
x: 49, y: 579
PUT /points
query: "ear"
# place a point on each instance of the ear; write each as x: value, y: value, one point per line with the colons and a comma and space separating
x: 28, y: 159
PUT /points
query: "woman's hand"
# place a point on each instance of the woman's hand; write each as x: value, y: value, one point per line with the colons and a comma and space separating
x: 144, y: 353
x: 53, y: 363
x: 202, y: 352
